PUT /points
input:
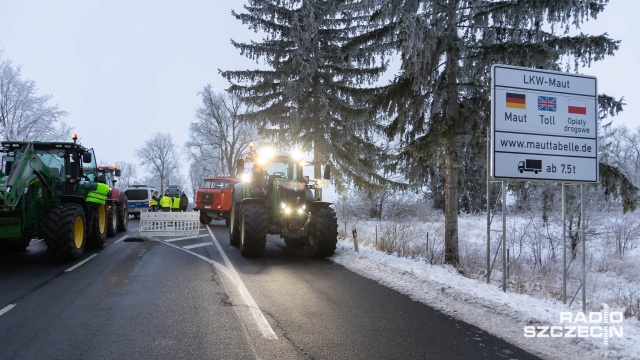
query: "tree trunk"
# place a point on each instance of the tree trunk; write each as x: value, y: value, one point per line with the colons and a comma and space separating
x: 452, y: 160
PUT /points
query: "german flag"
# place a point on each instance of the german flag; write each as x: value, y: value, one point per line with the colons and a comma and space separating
x: 516, y: 101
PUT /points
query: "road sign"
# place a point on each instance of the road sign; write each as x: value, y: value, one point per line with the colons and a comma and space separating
x: 544, y: 125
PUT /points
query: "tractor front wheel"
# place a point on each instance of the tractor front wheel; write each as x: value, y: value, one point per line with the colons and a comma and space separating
x: 323, y: 237
x: 253, y: 230
x: 65, y: 232
x: 234, y: 226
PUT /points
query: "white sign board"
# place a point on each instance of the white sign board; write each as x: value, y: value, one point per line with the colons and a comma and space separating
x: 544, y: 125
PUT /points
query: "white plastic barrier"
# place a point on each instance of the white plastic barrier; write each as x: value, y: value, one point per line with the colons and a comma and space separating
x: 170, y: 224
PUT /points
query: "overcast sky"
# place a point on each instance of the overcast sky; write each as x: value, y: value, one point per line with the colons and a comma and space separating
x: 126, y: 69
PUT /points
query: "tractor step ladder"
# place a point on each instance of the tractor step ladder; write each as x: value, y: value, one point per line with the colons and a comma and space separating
x: 169, y: 224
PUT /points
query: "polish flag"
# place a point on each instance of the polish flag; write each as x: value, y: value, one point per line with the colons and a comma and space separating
x: 577, y: 107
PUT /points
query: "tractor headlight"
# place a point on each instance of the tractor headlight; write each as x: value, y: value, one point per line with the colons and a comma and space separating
x: 288, y: 210
x: 245, y: 177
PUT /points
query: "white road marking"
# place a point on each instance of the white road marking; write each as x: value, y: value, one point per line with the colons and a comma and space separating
x: 122, y: 239
x: 263, y: 324
x: 5, y: 309
x: 81, y: 263
x: 196, y: 245
x: 230, y: 272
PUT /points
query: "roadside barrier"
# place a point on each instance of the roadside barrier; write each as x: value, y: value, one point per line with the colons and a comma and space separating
x: 169, y: 224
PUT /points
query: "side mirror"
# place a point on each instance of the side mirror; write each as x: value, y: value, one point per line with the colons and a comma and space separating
x: 239, y: 166
x: 86, y: 157
x: 118, y: 172
x: 327, y: 172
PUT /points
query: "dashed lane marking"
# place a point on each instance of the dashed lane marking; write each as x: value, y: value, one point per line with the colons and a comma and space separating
x: 5, y: 309
x: 81, y: 263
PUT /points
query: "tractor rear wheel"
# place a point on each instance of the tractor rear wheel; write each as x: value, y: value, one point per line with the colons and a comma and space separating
x: 123, y: 215
x: 65, y: 232
x: 322, y: 240
x: 253, y: 230
x: 112, y: 221
x: 234, y: 226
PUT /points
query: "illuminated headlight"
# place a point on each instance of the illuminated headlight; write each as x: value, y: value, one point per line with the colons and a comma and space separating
x: 297, y: 155
x: 264, y: 155
x: 288, y: 210
x: 245, y: 177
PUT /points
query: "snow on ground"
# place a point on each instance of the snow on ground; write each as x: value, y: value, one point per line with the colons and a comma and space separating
x: 488, y: 307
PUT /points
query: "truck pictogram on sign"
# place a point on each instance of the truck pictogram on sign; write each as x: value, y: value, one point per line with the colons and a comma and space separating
x: 530, y: 165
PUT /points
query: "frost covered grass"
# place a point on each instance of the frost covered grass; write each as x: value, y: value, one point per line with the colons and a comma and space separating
x: 407, y: 254
x: 535, y: 254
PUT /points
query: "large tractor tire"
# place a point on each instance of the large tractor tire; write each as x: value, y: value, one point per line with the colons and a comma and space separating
x: 322, y: 240
x: 112, y: 221
x: 204, y: 218
x: 97, y: 235
x: 234, y: 226
x: 253, y: 230
x: 65, y: 232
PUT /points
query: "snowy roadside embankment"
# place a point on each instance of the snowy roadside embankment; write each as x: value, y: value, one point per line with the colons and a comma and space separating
x: 488, y: 307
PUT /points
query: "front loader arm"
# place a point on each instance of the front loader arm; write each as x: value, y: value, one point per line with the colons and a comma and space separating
x: 24, y: 167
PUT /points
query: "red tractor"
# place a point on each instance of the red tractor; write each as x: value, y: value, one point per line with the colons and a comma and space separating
x: 213, y: 199
x: 117, y: 204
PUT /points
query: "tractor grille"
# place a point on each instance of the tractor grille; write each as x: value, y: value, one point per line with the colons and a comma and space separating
x: 206, y: 199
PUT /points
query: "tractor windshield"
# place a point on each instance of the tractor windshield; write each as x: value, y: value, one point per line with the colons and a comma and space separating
x: 54, y: 159
x: 284, y: 167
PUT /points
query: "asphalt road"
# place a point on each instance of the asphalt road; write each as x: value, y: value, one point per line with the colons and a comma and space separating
x: 198, y: 298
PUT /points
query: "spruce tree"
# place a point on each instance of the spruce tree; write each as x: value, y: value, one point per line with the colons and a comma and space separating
x: 438, y: 102
x: 309, y: 94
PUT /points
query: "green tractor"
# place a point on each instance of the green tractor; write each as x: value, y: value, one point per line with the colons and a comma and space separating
x: 41, y: 197
x: 278, y: 199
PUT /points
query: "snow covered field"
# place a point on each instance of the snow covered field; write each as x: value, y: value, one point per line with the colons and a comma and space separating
x: 532, y: 299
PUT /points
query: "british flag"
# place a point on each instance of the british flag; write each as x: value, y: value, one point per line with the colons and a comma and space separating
x: 547, y: 103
